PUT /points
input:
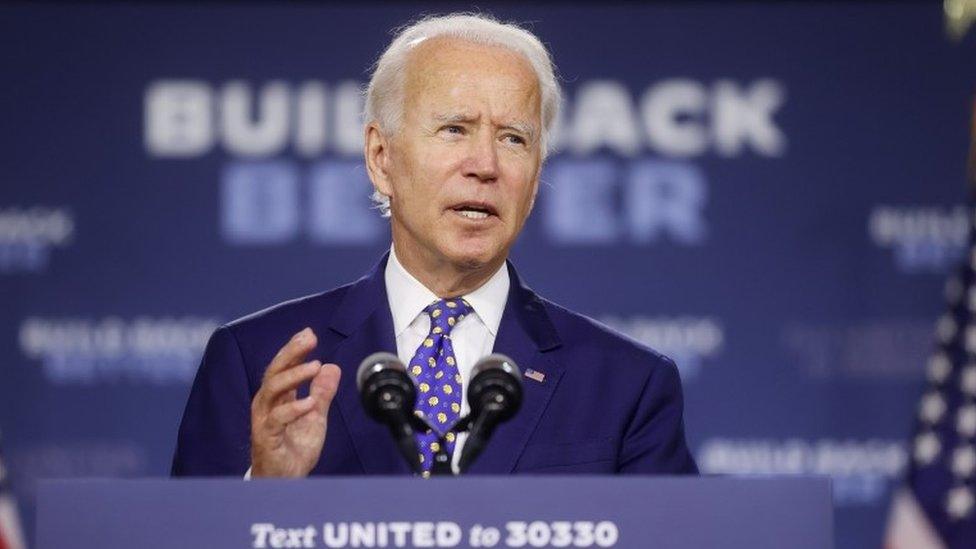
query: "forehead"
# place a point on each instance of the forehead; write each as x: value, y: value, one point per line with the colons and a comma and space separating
x: 452, y: 72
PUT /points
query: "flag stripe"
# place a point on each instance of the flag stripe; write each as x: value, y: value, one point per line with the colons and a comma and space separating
x: 908, y: 527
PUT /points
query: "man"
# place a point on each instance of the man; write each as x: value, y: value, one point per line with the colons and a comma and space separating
x: 457, y: 115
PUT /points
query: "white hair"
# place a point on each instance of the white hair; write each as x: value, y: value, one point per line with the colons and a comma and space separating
x: 384, y: 95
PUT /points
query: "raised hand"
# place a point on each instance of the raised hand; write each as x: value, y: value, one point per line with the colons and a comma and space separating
x: 287, y: 433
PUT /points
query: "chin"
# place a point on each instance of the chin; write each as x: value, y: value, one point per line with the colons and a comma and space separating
x: 473, y: 256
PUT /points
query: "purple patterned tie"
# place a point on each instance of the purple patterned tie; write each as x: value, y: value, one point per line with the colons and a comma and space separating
x: 434, y: 369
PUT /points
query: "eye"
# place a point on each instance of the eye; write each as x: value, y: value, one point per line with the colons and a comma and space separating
x: 453, y: 129
x: 515, y: 139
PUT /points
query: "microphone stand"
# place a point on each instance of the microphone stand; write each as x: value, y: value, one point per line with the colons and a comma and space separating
x: 442, y: 461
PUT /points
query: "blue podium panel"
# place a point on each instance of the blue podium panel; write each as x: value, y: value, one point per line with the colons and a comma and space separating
x: 641, y: 512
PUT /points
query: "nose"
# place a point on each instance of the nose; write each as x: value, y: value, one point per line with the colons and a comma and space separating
x: 482, y: 160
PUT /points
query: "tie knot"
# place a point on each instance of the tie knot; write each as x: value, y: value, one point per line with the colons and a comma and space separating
x: 445, y: 313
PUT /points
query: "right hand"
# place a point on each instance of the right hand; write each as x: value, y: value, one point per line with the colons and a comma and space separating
x: 287, y: 433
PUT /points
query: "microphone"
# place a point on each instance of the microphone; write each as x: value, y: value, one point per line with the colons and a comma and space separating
x: 388, y: 395
x: 494, y: 395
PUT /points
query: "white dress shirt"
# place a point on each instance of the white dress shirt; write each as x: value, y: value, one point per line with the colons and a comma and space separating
x: 473, y: 337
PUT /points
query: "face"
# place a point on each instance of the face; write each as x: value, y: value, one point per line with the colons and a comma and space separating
x: 463, y: 168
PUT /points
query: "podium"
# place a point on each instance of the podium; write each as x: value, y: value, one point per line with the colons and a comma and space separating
x: 503, y: 511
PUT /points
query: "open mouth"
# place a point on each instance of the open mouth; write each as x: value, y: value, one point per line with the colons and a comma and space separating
x: 475, y: 210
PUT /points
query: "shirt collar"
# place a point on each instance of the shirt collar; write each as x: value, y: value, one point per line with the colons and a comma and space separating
x: 488, y: 301
x: 408, y: 297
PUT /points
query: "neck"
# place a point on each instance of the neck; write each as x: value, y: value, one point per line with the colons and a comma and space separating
x: 442, y: 277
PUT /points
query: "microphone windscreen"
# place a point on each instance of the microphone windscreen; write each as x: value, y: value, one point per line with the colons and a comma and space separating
x: 377, y: 362
x: 496, y: 361
x: 496, y: 382
x: 494, y: 396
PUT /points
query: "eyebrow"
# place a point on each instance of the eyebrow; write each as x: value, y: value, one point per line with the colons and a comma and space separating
x: 454, y: 118
x: 518, y: 126
x: 522, y: 127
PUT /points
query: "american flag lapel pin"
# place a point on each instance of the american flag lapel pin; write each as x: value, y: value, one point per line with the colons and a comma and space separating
x: 534, y: 375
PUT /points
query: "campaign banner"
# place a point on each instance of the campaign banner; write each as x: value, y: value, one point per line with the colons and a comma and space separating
x: 451, y: 512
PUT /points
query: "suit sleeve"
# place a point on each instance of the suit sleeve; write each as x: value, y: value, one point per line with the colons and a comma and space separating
x: 214, y: 436
x: 654, y: 442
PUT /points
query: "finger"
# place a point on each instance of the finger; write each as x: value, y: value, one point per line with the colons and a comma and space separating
x: 283, y: 414
x: 282, y: 385
x: 324, y: 386
x: 293, y: 352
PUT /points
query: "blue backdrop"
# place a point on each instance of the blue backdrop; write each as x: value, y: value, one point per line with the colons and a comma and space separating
x: 770, y: 194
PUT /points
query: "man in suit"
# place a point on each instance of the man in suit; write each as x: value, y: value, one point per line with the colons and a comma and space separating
x: 457, y: 115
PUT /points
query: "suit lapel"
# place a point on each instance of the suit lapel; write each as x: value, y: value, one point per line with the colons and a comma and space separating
x: 526, y: 334
x: 364, y: 320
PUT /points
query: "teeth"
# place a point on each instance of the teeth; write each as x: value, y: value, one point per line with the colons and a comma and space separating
x: 471, y: 214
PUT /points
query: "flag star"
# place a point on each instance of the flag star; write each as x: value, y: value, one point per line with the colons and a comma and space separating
x: 971, y: 299
x: 939, y: 367
x: 967, y: 380
x: 933, y: 407
x: 927, y: 448
x: 964, y: 461
x: 966, y: 421
x: 960, y: 502
x: 946, y: 328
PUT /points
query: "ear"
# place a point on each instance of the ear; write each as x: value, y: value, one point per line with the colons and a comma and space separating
x: 377, y: 153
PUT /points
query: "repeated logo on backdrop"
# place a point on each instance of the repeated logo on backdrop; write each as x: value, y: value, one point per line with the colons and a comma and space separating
x: 921, y: 238
x: 860, y: 470
x: 30, y: 236
x: 84, y: 351
x: 689, y: 341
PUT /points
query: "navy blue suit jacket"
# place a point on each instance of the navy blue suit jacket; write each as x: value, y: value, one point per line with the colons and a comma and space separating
x: 606, y: 405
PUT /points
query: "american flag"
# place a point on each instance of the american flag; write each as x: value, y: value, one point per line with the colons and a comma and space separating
x: 937, y: 507
x: 534, y: 375
x: 10, y: 533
